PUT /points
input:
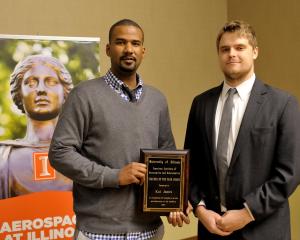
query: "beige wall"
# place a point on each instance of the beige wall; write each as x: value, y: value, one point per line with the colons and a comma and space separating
x: 277, y: 24
x: 179, y: 35
x: 180, y: 45
x: 179, y: 38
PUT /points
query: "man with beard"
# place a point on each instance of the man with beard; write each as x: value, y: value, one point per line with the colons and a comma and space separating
x: 39, y: 86
x: 97, y: 142
x: 244, y: 141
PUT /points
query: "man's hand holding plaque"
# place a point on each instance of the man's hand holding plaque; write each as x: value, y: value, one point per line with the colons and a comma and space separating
x: 179, y: 218
x: 132, y: 173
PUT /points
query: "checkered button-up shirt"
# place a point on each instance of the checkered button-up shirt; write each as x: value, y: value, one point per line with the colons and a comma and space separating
x: 120, y: 87
x: 124, y: 236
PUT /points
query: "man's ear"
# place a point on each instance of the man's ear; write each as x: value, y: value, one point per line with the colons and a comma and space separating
x: 108, y: 50
x: 255, y: 53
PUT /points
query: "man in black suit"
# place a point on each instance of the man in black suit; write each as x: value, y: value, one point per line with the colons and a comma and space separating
x: 247, y: 198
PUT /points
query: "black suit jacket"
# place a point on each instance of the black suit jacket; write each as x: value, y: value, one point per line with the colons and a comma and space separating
x: 264, y: 169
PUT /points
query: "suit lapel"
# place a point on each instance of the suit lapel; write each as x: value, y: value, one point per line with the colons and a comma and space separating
x: 257, y: 97
x: 210, y: 111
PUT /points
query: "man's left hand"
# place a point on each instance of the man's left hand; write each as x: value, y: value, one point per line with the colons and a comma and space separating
x: 179, y: 218
x: 234, y: 220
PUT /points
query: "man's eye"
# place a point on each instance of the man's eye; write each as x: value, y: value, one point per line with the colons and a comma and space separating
x: 120, y: 42
x: 136, y: 44
x: 224, y: 50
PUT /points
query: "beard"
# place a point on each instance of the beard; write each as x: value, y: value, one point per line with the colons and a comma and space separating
x: 240, y: 73
x: 232, y: 75
x: 128, y: 68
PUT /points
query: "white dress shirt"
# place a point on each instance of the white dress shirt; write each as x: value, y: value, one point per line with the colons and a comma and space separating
x: 240, y: 101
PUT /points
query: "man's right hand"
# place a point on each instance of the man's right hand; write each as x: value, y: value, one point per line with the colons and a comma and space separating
x: 209, y: 219
x: 132, y: 173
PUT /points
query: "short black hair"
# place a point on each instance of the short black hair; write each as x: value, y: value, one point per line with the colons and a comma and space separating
x: 124, y: 22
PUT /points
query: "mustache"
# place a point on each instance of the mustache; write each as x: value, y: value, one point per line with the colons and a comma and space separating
x: 126, y: 57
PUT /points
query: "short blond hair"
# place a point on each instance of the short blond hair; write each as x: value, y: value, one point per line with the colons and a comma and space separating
x: 244, y: 29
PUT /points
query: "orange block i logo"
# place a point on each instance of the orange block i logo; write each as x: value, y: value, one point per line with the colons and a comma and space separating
x: 42, y: 167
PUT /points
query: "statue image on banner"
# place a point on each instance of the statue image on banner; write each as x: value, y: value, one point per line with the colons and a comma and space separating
x: 38, y: 85
x: 37, y: 74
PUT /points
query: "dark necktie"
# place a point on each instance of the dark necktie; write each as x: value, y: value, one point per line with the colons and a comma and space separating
x: 222, y: 145
x: 130, y: 94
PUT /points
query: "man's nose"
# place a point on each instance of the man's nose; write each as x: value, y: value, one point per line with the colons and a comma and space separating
x: 128, y: 47
x: 232, y: 52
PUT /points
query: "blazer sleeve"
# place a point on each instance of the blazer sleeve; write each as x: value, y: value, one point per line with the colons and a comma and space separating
x: 191, y: 143
x: 270, y: 196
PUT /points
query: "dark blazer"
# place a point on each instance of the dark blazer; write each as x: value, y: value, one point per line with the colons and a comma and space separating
x: 264, y: 169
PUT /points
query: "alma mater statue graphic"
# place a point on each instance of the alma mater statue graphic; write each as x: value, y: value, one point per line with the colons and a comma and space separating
x: 39, y: 85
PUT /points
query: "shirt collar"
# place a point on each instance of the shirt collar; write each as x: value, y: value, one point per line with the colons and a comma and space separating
x: 243, y: 89
x: 112, y: 80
